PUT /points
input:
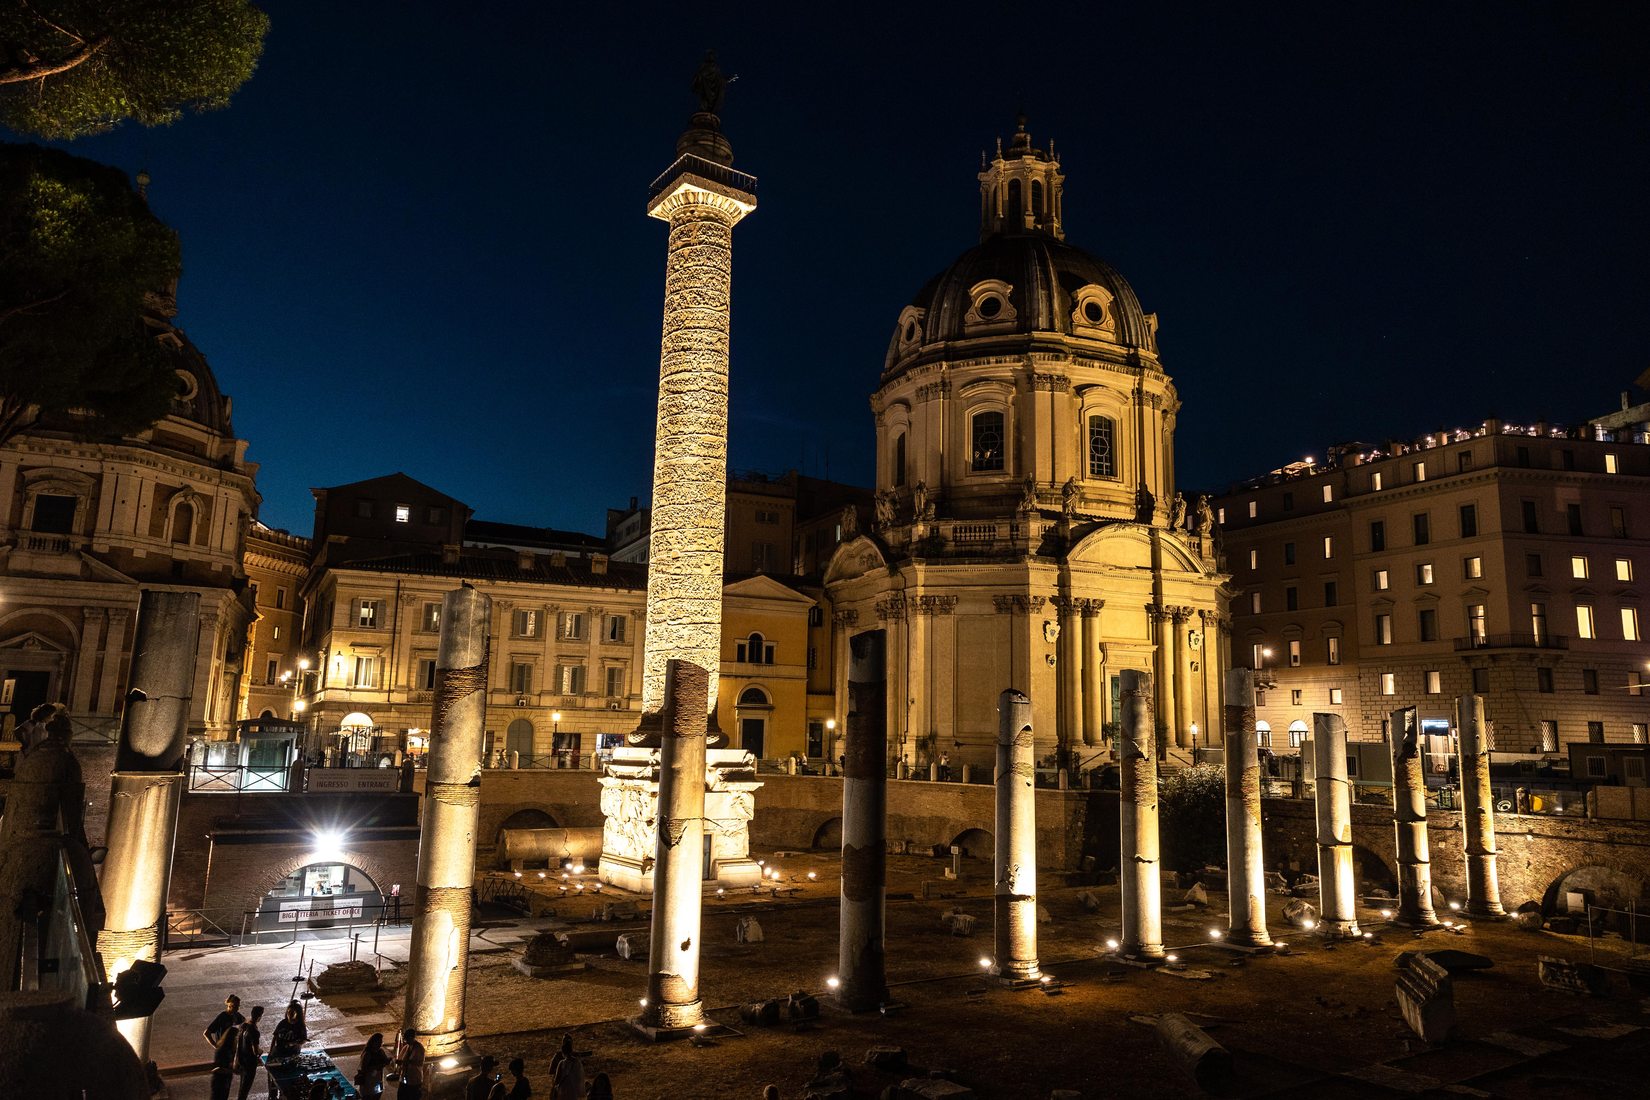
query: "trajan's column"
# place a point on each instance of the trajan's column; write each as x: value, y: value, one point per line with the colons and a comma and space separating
x: 702, y: 198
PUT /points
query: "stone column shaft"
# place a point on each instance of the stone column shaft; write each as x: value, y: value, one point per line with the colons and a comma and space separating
x: 679, y: 867
x: 1162, y: 679
x: 1094, y: 720
x: 1477, y: 809
x: 1182, y: 683
x: 1409, y: 821
x: 1016, y: 889
x: 439, y: 951
x: 1337, y: 883
x: 1245, y: 861
x: 690, y: 454
x: 1068, y: 661
x: 1140, y: 876
x: 864, y: 985
x: 146, y: 787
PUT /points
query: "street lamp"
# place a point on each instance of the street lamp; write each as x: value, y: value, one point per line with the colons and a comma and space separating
x: 297, y: 686
x: 555, y: 734
x: 830, y: 739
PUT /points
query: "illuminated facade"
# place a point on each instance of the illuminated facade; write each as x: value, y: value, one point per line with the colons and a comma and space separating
x: 1028, y: 532
x: 276, y: 565
x: 1504, y: 561
x: 86, y: 526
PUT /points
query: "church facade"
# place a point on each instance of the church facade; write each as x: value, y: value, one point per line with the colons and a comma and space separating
x: 1028, y: 533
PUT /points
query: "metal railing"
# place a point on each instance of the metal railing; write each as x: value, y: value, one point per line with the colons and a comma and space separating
x: 1512, y: 641
x: 238, y: 779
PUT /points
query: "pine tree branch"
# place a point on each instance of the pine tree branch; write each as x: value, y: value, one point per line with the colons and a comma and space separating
x: 42, y: 71
x: 25, y: 307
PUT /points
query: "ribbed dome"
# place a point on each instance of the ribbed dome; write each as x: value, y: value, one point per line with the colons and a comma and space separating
x: 1043, y: 274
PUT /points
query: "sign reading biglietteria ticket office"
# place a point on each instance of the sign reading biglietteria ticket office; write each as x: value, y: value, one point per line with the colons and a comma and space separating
x: 354, y: 780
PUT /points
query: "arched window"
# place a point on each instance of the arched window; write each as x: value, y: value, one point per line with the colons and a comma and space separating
x: 986, y: 435
x: 518, y: 737
x: 1263, y: 734
x: 754, y: 650
x: 1102, y: 446
x: 754, y: 697
x: 899, y: 460
x: 1016, y: 204
x: 1037, y: 197
x: 183, y: 524
x: 1297, y: 733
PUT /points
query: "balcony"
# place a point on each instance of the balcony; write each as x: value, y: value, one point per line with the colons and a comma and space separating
x: 1513, y: 641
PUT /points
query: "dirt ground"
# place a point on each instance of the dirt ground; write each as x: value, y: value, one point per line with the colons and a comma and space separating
x: 1317, y: 1021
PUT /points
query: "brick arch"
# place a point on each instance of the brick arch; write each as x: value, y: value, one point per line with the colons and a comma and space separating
x: 828, y: 834
x: 367, y: 865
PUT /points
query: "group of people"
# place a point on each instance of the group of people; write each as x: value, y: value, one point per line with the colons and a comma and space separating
x: 237, y: 1052
x: 237, y: 1045
x: 566, y: 1079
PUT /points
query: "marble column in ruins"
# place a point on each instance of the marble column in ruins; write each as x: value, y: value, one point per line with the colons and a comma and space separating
x: 673, y: 1003
x: 1477, y: 809
x: 1245, y: 863
x: 1016, y: 872
x: 1337, y: 882
x: 1409, y: 822
x: 439, y: 951
x: 1140, y: 877
x: 863, y: 984
x: 147, y: 786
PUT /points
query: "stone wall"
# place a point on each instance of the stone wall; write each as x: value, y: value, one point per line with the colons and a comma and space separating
x: 1541, y: 857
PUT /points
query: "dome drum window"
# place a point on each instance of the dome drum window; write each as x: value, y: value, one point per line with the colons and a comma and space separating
x: 986, y: 437
x: 1102, y: 450
x: 1091, y: 312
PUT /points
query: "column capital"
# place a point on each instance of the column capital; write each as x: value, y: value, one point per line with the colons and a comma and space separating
x: 891, y: 608
x: 934, y: 605
x: 845, y: 617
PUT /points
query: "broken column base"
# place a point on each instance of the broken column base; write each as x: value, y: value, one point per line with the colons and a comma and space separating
x: 1337, y: 930
x: 1485, y: 914
x: 1244, y: 945
x: 1032, y: 980
x: 682, y: 1022
x: 1142, y: 962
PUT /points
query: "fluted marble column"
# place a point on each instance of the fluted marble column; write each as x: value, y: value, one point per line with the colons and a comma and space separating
x: 863, y: 984
x: 1015, y: 905
x: 1409, y: 822
x: 1245, y: 863
x: 1139, y: 872
x: 147, y: 786
x: 1337, y: 885
x: 440, y: 947
x: 702, y: 198
x: 1477, y: 809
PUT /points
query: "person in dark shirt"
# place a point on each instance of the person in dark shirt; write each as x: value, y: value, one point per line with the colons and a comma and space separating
x: 221, y: 1034
x: 291, y: 1033
x: 248, y: 1047
x: 223, y: 1021
x: 519, y: 1088
x: 482, y: 1083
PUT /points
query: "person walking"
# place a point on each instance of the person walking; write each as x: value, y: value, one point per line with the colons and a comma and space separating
x: 411, y: 1064
x: 369, y: 1075
x: 567, y: 1082
x: 519, y: 1088
x: 486, y: 1077
x: 220, y: 1035
x: 248, y: 1048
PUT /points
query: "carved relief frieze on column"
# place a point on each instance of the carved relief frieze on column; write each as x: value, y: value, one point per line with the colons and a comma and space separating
x: 1054, y: 383
x: 891, y: 609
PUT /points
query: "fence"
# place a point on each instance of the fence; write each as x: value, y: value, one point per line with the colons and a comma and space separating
x: 240, y: 927
x: 237, y: 778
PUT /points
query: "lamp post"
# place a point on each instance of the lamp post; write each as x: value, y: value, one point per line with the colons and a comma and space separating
x: 555, y: 735
x: 297, y: 686
x: 830, y: 741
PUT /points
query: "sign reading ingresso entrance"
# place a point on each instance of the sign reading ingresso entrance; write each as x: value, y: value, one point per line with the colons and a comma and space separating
x: 352, y: 780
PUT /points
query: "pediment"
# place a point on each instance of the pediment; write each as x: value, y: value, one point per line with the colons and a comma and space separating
x: 763, y: 587
x: 855, y: 559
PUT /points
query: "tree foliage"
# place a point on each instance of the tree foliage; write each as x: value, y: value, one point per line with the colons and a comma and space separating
x: 1192, y: 813
x: 75, y: 67
x: 82, y: 260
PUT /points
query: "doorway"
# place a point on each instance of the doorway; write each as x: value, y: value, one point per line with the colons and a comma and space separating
x: 22, y: 690
x: 751, y: 734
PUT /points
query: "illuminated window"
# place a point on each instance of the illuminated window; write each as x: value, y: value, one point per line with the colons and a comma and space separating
x: 1578, y: 566
x: 1382, y: 580
x: 1630, y: 624
x: 1538, y: 622
x: 1328, y: 494
x: 1252, y: 509
x: 1383, y: 629
x: 1549, y: 734
x: 403, y: 513
x: 1640, y: 732
x: 1263, y: 734
x: 1102, y: 447
x: 525, y: 623
x: 1328, y: 546
x: 1294, y: 697
x: 986, y: 433
x: 369, y: 614
x: 570, y: 679
x: 1420, y: 469
x: 571, y: 626
x: 366, y: 672
x: 615, y: 682
x: 1220, y: 517
x: 1624, y: 569
x: 1435, y: 682
x: 1333, y: 650
x: 430, y: 621
x: 1584, y: 621
x: 1294, y: 654
x: 1335, y: 697
x: 275, y: 634
x: 1610, y: 466
x: 1477, y: 622
x: 1254, y: 602
x: 1472, y: 568
x: 1389, y: 683
x: 1375, y: 481
x: 1423, y: 572
x: 1257, y: 655
x: 1254, y: 559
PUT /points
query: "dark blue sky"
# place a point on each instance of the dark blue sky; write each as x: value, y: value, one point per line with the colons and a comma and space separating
x: 418, y: 242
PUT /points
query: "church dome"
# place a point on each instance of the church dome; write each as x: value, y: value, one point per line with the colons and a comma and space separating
x: 1022, y: 279
x: 1045, y: 277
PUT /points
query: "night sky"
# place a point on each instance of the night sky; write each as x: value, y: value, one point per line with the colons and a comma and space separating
x: 418, y: 243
